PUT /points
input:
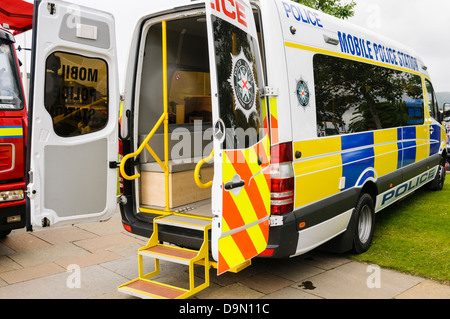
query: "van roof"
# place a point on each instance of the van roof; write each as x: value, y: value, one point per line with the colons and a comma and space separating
x: 316, y: 24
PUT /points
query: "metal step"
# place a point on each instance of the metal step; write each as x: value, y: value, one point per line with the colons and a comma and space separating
x: 170, y: 253
x: 184, y: 222
x: 143, y: 288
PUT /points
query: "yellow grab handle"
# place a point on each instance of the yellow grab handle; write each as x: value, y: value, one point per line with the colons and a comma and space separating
x: 138, y: 151
x: 197, y: 171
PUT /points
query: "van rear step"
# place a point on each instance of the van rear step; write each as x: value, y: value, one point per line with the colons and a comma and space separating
x: 169, y: 253
x: 145, y: 288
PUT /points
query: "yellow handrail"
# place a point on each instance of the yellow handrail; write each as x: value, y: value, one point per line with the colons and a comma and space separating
x: 139, y: 150
x: 197, y: 171
x: 164, y: 118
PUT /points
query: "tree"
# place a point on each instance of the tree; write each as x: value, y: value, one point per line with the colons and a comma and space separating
x: 332, y: 7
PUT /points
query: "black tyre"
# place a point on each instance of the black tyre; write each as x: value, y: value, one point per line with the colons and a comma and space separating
x: 438, y: 183
x: 363, y: 223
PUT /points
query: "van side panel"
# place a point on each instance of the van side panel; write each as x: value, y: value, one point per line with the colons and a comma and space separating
x: 331, y: 171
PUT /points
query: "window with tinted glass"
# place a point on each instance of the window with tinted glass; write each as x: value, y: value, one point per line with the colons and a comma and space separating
x: 76, y: 93
x: 239, y: 84
x: 432, y: 101
x: 10, y: 88
x: 354, y: 97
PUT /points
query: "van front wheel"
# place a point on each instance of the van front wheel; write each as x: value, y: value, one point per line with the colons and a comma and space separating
x: 364, y: 223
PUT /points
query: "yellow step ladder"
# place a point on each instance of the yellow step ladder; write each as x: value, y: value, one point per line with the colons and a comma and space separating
x: 143, y: 287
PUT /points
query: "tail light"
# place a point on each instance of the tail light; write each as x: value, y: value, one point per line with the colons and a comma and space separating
x: 282, y: 179
x: 121, y: 185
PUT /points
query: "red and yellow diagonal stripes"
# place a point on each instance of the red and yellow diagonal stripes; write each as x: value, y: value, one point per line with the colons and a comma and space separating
x: 274, y: 120
x: 242, y: 246
x: 244, y: 218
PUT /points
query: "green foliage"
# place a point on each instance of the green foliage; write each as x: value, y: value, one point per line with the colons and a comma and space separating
x: 332, y: 7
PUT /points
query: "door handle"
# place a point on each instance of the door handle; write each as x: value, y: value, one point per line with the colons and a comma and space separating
x: 233, y: 185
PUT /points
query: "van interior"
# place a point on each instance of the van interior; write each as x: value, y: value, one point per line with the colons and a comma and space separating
x: 189, y: 112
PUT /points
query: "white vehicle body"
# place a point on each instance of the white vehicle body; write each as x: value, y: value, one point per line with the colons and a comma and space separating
x: 332, y: 145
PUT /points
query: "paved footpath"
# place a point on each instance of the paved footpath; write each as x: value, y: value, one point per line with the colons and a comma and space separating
x: 90, y: 261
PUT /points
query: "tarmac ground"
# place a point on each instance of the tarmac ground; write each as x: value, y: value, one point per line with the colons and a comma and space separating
x: 90, y: 261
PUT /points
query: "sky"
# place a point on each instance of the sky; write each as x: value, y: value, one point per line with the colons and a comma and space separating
x: 422, y: 25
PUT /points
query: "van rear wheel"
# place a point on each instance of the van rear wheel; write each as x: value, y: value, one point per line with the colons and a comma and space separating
x: 438, y: 183
x: 364, y: 223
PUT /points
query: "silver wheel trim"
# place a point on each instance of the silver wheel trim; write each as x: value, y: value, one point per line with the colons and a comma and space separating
x: 364, y: 224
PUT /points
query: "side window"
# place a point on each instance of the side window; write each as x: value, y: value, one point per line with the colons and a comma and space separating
x: 10, y: 93
x: 76, y: 93
x: 432, y: 101
x: 355, y: 97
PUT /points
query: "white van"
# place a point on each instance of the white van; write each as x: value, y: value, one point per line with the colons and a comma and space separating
x: 249, y: 128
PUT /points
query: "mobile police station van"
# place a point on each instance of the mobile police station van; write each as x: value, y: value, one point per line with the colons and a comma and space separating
x: 249, y: 128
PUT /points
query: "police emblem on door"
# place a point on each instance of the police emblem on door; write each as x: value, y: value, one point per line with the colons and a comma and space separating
x: 244, y: 86
x: 302, y: 92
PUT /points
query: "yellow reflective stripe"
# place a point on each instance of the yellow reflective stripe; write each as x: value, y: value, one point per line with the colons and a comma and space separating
x: 259, y: 179
x: 225, y: 226
x: 257, y: 237
x: 422, y: 142
x: 314, y: 165
x: 230, y: 251
x: 273, y: 107
x: 318, y: 147
x: 11, y: 131
x: 243, y: 203
x: 385, y: 151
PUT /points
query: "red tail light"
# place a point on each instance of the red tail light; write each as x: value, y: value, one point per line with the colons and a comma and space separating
x: 121, y: 186
x: 282, y: 179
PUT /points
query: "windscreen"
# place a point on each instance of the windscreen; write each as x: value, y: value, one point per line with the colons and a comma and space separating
x: 10, y: 93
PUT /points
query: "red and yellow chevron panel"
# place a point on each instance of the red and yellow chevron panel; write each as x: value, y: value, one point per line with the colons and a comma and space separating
x: 245, y: 225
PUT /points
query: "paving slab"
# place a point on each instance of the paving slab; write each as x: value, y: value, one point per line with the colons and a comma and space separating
x: 7, y: 264
x: 33, y: 257
x: 106, y: 242
x: 94, y: 281
x: 426, y: 289
x: 295, y: 271
x: 111, y: 226
x: 233, y: 291
x: 89, y: 259
x: 48, y: 263
x: 350, y: 281
x: 266, y: 283
x: 290, y: 293
x: 63, y: 235
x: 23, y: 241
x: 29, y: 273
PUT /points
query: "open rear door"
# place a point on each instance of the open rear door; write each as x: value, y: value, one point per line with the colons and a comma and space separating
x: 73, y: 115
x: 241, y: 186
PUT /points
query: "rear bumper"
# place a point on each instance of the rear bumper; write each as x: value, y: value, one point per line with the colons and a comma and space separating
x: 17, y: 210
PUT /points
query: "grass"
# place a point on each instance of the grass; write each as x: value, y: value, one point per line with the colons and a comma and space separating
x: 413, y: 236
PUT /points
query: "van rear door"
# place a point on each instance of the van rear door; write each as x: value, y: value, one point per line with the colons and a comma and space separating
x: 73, y: 116
x: 241, y: 185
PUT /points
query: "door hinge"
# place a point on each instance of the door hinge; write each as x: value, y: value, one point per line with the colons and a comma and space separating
x: 134, y: 162
x: 51, y: 7
x: 114, y: 164
x: 271, y: 91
